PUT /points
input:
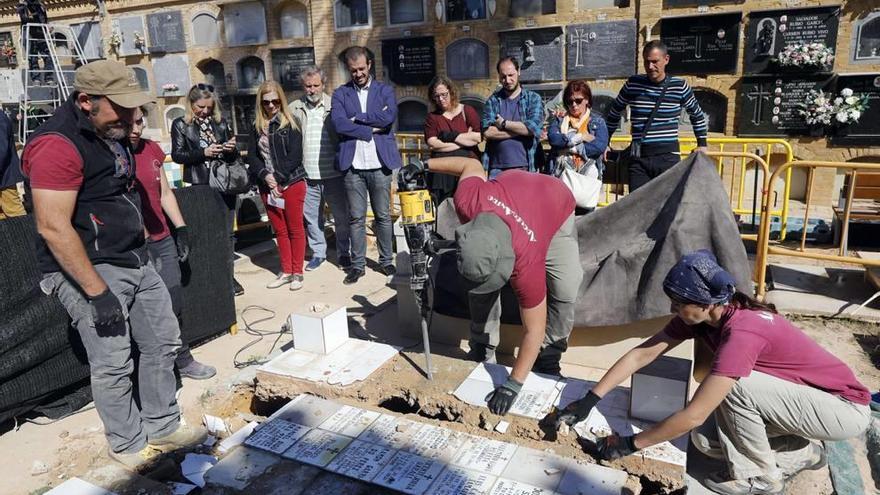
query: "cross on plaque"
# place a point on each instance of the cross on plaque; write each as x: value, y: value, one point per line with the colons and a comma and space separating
x: 579, y: 36
x: 759, y: 95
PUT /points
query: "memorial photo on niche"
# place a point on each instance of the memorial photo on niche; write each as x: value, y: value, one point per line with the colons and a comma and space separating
x: 765, y: 38
x: 868, y: 38
x: 793, y: 40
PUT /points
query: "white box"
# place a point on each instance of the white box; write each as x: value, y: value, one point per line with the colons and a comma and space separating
x: 660, y: 389
x: 320, y: 332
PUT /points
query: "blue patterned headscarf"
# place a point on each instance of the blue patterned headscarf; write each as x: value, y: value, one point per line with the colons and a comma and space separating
x: 698, y: 278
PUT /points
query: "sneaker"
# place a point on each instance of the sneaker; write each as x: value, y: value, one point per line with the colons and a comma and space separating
x: 237, y: 289
x: 135, y: 461
x: 197, y: 371
x: 345, y: 263
x: 280, y: 280
x: 389, y: 270
x: 184, y: 436
x: 353, y: 276
x: 757, y: 485
x: 816, y: 460
x: 314, y: 263
x: 296, y: 283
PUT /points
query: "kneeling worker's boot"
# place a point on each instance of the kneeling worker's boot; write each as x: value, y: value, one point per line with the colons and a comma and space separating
x: 549, y: 358
x: 481, y: 353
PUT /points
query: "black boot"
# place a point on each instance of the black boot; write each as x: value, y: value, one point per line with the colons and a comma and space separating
x: 549, y: 358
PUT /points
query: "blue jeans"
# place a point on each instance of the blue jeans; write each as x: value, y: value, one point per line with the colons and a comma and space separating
x: 152, y: 328
x: 332, y: 191
x: 377, y: 184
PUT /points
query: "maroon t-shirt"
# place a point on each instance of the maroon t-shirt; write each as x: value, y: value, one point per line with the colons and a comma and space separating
x: 533, y: 206
x: 766, y: 342
x: 58, y: 164
x: 149, y: 159
x: 466, y: 121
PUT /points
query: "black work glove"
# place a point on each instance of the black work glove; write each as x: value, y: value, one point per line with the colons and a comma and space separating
x: 448, y: 136
x: 615, y: 446
x: 412, y: 170
x: 181, y: 238
x: 107, y: 314
x: 578, y: 410
x: 500, y: 400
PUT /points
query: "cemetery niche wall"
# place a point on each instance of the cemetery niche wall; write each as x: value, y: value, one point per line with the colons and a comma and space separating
x: 866, y: 39
x: 8, y: 55
x: 706, y: 44
x: 166, y: 32
x: 205, y: 29
x: 465, y: 10
x: 88, y: 35
x: 132, y: 35
x: 770, y: 105
x: 527, y: 8
x: 245, y: 24
x: 601, y: 50
x: 409, y: 61
x: 467, y: 58
x: 288, y: 64
x: 539, y: 52
x: 171, y: 73
x: 772, y: 34
x: 865, y: 132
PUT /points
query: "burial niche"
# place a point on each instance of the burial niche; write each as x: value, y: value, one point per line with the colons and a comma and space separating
x: 411, y: 115
x: 714, y: 105
x: 215, y: 74
x: 206, y: 31
x: 406, y: 11
x: 467, y: 58
x: 294, y: 20
x: 351, y: 13
x: 251, y: 73
x: 867, y: 38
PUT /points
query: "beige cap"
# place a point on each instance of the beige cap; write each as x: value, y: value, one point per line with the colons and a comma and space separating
x: 113, y: 80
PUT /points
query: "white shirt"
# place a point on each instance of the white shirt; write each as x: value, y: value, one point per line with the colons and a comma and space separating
x: 365, y: 156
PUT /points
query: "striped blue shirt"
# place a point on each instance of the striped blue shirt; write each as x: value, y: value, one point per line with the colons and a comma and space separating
x: 641, y: 94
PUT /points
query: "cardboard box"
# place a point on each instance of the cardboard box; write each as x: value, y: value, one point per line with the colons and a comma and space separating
x: 319, y: 331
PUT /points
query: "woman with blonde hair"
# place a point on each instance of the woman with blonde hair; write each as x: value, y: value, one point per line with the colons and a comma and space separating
x: 275, y: 157
x: 201, y: 139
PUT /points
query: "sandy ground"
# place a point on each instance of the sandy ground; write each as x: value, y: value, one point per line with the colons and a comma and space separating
x: 40, y: 456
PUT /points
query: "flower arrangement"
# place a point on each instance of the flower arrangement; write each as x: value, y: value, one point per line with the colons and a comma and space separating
x: 139, y: 41
x: 822, y: 109
x: 7, y: 50
x: 169, y: 87
x: 806, y: 55
x: 115, y: 40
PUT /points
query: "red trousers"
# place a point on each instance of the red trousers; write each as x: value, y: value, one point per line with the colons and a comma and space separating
x: 288, y: 225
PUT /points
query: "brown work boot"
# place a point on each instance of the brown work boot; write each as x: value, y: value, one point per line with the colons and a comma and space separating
x: 135, y: 461
x: 185, y: 436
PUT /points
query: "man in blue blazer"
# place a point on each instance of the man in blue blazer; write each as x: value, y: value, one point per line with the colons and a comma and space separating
x: 363, y: 111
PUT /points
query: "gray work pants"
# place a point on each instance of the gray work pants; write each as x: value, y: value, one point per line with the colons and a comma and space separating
x: 765, y: 425
x: 564, y: 274
x: 333, y: 192
x: 153, y: 328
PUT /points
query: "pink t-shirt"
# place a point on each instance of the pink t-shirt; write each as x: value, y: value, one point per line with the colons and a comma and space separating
x: 534, y: 206
x: 766, y: 342
x: 149, y: 159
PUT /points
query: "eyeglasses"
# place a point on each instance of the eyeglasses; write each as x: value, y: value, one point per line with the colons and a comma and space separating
x: 441, y: 96
x: 205, y: 87
x: 276, y: 103
x: 576, y: 101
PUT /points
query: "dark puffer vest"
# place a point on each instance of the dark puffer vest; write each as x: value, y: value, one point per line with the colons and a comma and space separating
x: 108, y: 208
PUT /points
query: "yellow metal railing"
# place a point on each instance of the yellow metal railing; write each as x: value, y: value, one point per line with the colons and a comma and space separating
x: 764, y: 247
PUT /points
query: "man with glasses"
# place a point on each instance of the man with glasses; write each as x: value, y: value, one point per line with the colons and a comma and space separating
x: 92, y: 253
x: 512, y: 121
x: 323, y: 181
x: 363, y: 114
x: 658, y: 145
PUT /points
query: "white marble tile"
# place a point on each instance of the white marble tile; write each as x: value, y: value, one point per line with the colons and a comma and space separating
x: 409, y: 473
x: 484, y: 455
x: 361, y: 460
x: 349, y: 421
x: 591, y: 479
x: 535, y: 467
x: 317, y: 447
x: 459, y: 481
x: 276, y: 435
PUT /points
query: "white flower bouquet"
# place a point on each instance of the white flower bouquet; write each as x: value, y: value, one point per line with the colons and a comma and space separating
x: 818, y: 109
x: 806, y: 55
x: 821, y: 109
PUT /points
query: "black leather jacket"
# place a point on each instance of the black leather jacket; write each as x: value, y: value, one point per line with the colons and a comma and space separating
x: 286, y: 147
x: 185, y: 149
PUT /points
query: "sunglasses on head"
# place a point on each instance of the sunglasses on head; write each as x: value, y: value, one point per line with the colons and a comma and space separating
x: 273, y: 102
x: 205, y: 87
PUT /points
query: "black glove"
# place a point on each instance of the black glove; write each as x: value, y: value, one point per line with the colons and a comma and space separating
x: 503, y: 397
x: 615, y: 446
x: 107, y: 314
x: 412, y: 170
x: 578, y: 410
x: 181, y: 237
x: 448, y: 136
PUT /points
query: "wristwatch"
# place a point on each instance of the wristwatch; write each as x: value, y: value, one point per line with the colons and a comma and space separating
x: 504, y: 124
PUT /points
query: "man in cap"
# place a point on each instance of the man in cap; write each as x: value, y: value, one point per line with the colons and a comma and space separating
x: 505, y: 238
x: 92, y: 253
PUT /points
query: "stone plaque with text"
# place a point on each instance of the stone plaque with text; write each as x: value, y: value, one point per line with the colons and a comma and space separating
x: 769, y: 32
x: 769, y: 105
x: 288, y: 63
x: 706, y: 44
x: 467, y: 59
x: 410, y: 61
x: 166, y: 32
x: 539, y: 52
x: 601, y: 50
x: 865, y: 132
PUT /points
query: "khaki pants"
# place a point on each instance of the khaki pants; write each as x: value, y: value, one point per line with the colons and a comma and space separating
x: 10, y: 203
x: 765, y: 424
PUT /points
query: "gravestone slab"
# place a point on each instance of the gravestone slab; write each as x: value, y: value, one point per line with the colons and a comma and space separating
x: 245, y: 23
x: 768, y: 105
x: 349, y: 421
x: 288, y: 63
x: 129, y: 28
x: 512, y: 487
x: 11, y: 87
x: 601, y: 50
x: 390, y: 431
x: 6, y: 38
x: 539, y: 52
x: 317, y: 447
x: 276, y: 436
x: 866, y: 39
x: 434, y: 442
x: 484, y: 455
x: 465, y: 10
x: 769, y: 32
x: 706, y: 44
x: 459, y: 481
x: 88, y: 34
x: 593, y: 479
x: 467, y: 59
x: 528, y: 8
x: 307, y: 410
x: 409, y: 473
x: 361, y: 460
x: 535, y: 467
x: 171, y: 69
x: 866, y: 132
x: 206, y: 30
x: 165, y: 32
x: 143, y: 80
x: 410, y: 61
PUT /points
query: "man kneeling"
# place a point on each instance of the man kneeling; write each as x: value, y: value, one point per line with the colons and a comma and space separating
x: 518, y: 228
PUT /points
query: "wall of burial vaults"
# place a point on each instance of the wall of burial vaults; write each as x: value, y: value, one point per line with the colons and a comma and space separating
x: 315, y: 24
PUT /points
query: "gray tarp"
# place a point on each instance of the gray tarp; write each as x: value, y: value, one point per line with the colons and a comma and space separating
x: 627, y: 248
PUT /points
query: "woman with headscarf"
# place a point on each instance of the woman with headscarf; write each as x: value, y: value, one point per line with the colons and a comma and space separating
x: 275, y: 157
x: 772, y: 389
x: 199, y: 140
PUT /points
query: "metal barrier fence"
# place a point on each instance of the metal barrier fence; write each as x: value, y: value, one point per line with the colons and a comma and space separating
x: 764, y: 247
